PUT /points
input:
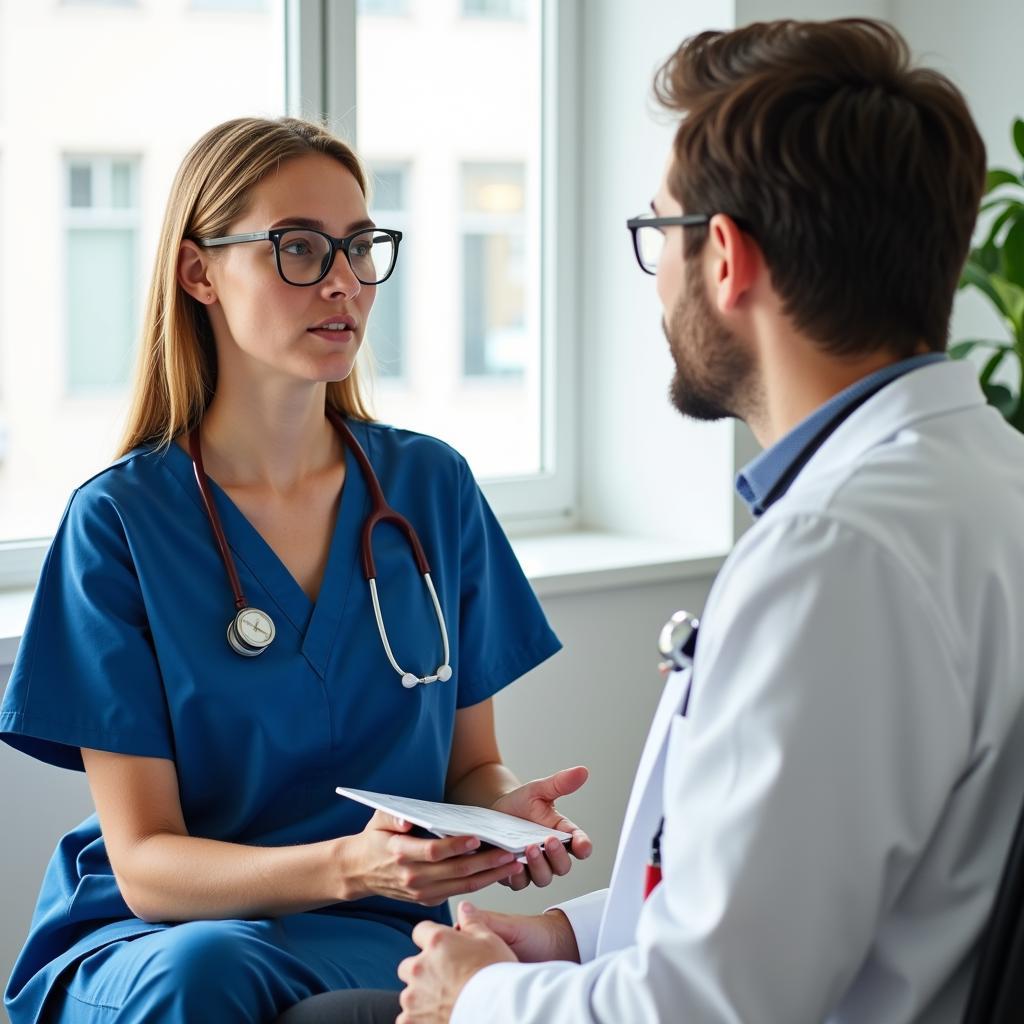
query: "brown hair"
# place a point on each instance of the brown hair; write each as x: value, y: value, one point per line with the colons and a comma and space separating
x: 176, y: 372
x: 858, y: 175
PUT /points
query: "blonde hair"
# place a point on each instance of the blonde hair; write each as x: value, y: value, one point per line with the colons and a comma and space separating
x: 176, y: 371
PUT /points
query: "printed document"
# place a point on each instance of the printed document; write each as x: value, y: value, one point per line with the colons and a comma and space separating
x: 502, y: 830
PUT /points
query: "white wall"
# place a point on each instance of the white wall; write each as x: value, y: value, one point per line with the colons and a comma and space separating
x: 639, y: 456
x: 979, y: 47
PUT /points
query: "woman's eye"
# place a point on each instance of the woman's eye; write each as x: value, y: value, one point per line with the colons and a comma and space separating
x: 297, y: 249
x: 361, y: 249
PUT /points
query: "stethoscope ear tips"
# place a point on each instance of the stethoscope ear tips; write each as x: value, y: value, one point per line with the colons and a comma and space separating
x: 409, y: 680
x: 444, y: 673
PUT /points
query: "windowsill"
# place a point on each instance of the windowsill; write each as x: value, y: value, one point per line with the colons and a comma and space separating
x: 556, y: 564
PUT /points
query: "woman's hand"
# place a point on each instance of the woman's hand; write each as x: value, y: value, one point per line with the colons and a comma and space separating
x: 383, y: 861
x: 535, y: 801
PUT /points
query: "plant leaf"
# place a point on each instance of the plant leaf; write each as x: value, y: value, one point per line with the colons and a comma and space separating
x: 1018, y: 135
x: 988, y: 257
x: 1011, y: 296
x: 1013, y: 211
x: 1013, y: 252
x: 1003, y: 200
x: 1002, y: 398
x: 991, y: 366
x: 961, y: 348
x: 976, y: 275
x: 1000, y: 176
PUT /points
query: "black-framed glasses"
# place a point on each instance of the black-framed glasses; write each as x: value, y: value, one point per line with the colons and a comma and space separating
x: 649, y: 238
x: 305, y: 256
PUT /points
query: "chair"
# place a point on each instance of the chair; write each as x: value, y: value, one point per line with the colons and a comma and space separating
x: 997, y: 989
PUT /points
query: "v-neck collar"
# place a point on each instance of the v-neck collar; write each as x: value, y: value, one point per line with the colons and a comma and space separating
x: 316, y: 622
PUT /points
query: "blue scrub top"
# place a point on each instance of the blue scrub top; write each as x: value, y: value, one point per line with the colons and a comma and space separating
x: 125, y: 650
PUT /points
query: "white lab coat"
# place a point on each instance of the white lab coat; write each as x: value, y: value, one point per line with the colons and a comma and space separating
x: 840, y: 798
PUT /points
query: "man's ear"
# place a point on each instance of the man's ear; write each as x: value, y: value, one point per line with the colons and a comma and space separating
x: 192, y: 272
x: 736, y: 262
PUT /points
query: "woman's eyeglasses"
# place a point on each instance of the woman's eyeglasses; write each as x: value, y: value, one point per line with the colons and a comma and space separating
x: 305, y: 256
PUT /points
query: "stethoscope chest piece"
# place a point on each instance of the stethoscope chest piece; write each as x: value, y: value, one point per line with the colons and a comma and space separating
x: 250, y: 632
x: 677, y: 642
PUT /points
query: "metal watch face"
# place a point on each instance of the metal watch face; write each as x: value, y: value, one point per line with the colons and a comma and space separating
x: 254, y: 627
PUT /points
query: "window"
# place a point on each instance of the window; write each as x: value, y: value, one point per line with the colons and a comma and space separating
x: 493, y: 269
x: 385, y: 8
x: 478, y: 102
x: 512, y: 9
x: 228, y: 5
x: 84, y: 188
x: 474, y: 365
x: 387, y: 324
x: 101, y: 272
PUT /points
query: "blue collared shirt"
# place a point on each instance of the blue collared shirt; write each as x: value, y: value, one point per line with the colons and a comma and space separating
x: 755, y: 481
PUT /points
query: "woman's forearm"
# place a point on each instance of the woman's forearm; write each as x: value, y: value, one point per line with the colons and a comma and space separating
x: 170, y: 877
x: 483, y: 785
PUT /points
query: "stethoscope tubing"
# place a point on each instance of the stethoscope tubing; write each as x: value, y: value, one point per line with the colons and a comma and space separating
x: 380, y: 512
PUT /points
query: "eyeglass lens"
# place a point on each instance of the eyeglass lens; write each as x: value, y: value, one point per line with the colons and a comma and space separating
x: 305, y: 256
x: 649, y: 243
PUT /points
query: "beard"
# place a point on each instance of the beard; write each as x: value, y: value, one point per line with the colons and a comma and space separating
x: 714, y: 369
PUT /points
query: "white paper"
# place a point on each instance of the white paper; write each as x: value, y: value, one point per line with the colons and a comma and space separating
x: 501, y: 830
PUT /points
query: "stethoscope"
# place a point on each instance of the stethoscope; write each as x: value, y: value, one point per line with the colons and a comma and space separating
x: 252, y: 630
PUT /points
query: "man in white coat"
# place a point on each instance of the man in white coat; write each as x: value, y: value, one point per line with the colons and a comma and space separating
x: 839, y: 779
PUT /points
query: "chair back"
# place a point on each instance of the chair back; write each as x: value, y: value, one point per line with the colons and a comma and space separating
x: 997, y: 989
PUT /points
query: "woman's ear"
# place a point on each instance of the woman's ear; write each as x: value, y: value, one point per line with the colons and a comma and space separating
x: 192, y: 273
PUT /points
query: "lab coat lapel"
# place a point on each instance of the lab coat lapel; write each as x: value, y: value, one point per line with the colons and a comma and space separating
x: 643, y: 813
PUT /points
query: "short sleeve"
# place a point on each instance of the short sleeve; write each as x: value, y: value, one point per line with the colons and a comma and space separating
x: 86, y: 674
x: 503, y: 632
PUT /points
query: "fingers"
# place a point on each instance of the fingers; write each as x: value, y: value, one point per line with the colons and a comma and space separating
x: 474, y: 883
x: 426, y: 935
x: 388, y: 822
x: 581, y: 845
x: 410, y: 849
x: 561, y: 783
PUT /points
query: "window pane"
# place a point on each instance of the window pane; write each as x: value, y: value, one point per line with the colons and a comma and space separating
x: 121, y: 185
x: 383, y: 7
x: 81, y: 185
x: 494, y: 8
x: 101, y: 313
x: 494, y: 317
x: 386, y: 331
x: 470, y: 260
x: 89, y: 182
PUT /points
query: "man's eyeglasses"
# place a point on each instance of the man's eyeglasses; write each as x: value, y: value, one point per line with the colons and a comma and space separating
x: 649, y: 238
x: 305, y: 256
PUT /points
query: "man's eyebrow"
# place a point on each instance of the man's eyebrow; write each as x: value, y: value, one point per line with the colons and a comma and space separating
x: 318, y: 225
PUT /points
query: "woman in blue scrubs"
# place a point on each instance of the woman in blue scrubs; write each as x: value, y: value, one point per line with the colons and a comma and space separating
x: 222, y: 878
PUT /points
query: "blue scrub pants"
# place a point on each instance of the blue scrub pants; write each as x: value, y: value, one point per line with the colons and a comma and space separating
x: 247, y: 972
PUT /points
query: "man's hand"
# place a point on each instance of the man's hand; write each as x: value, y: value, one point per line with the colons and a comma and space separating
x: 533, y: 938
x: 535, y: 801
x: 451, y: 956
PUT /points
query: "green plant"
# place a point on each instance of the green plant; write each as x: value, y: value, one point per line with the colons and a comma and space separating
x: 996, y: 269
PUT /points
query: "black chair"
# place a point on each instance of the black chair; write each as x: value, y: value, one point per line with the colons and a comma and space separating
x: 997, y: 989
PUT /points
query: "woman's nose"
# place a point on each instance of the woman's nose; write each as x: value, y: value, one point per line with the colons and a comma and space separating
x: 340, y: 279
